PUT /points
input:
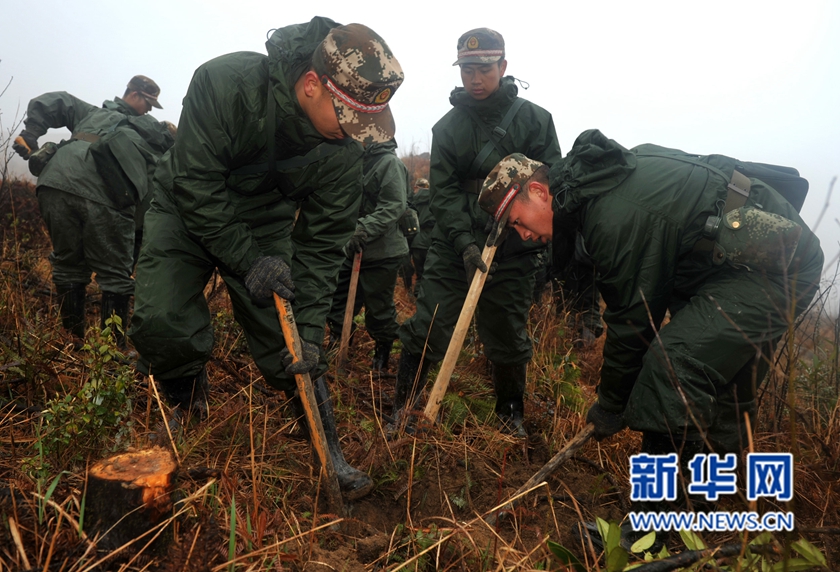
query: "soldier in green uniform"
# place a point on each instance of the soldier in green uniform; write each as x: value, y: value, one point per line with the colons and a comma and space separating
x: 487, y: 122
x: 383, y: 247
x: 726, y: 255
x: 420, y: 245
x: 263, y: 184
x: 90, y: 219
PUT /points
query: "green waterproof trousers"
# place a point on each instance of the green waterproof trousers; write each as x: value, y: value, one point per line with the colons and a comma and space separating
x: 377, y: 280
x: 502, y: 312
x: 171, y: 326
x: 700, y: 374
x: 88, y: 237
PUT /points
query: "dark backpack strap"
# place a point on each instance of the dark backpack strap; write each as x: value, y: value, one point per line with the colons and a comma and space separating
x: 498, y: 132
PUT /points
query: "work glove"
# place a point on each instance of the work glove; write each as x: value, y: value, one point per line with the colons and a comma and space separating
x: 473, y: 261
x: 491, y: 228
x: 357, y: 242
x: 25, y: 144
x: 606, y: 423
x: 270, y: 274
x: 309, y: 355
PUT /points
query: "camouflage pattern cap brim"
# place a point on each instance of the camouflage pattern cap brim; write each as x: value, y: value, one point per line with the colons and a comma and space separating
x: 480, y: 46
x: 507, y: 179
x: 146, y: 87
x: 361, y: 74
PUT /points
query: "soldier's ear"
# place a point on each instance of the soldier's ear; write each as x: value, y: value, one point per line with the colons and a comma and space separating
x: 311, y: 83
x: 502, y: 67
x: 538, y: 191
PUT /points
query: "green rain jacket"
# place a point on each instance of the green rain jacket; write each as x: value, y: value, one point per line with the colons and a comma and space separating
x: 456, y: 142
x: 222, y: 129
x: 420, y: 203
x: 383, y: 202
x: 73, y: 168
x: 640, y: 217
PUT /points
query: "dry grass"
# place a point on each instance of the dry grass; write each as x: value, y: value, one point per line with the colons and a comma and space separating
x: 247, y: 493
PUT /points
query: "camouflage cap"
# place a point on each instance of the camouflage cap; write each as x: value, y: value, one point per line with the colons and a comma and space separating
x: 503, y: 184
x: 480, y: 46
x: 421, y: 182
x: 361, y: 73
x: 147, y: 88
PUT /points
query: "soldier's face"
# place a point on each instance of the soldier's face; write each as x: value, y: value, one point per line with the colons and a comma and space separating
x: 481, y: 80
x: 324, y: 119
x: 138, y: 102
x: 531, y: 216
x: 317, y: 103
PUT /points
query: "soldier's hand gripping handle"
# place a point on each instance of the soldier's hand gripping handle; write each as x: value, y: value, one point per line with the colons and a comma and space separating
x: 606, y: 422
x: 307, y: 360
x: 357, y: 242
x: 270, y: 274
x: 25, y: 144
x: 473, y: 261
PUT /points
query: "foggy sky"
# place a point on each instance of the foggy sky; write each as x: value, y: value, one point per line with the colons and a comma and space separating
x: 759, y: 81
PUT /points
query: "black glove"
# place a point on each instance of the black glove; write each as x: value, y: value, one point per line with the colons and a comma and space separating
x: 25, y: 144
x: 491, y: 228
x: 270, y: 274
x: 606, y: 423
x: 309, y: 355
x: 357, y: 242
x: 473, y: 261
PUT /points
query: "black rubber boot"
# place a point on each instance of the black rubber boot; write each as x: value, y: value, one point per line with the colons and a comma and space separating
x: 381, y: 355
x: 409, y: 382
x: 509, y: 385
x: 189, y: 394
x: 71, y: 306
x: 113, y: 303
x: 354, y: 483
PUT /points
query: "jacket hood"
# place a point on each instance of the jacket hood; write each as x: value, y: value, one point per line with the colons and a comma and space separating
x: 290, y: 48
x: 594, y: 166
x: 506, y: 93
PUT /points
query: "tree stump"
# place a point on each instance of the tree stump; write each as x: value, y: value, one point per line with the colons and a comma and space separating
x: 130, y: 494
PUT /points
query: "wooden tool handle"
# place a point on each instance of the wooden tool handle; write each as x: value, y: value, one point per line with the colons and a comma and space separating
x: 561, y: 457
x: 458, y: 335
x: 347, y: 328
x: 310, y: 405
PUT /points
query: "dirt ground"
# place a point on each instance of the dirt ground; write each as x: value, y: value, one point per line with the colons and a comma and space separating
x: 248, y: 495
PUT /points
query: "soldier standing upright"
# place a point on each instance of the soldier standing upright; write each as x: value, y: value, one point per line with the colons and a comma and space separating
x: 487, y: 122
x: 420, y: 245
x: 89, y: 189
x: 383, y: 247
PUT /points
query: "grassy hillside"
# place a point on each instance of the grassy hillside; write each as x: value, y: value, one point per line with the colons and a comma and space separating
x: 248, y: 497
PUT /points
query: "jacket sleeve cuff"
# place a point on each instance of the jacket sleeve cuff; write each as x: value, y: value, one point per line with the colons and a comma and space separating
x: 248, y: 260
x: 462, y: 241
x: 609, y: 403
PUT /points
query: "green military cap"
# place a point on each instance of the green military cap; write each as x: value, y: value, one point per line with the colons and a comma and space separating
x: 421, y: 182
x: 504, y: 182
x: 361, y: 73
x: 147, y: 88
x: 480, y: 46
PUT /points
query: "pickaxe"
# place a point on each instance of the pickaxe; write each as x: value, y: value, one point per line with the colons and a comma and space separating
x: 310, y: 406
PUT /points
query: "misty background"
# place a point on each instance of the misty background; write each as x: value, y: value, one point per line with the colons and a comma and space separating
x: 759, y: 81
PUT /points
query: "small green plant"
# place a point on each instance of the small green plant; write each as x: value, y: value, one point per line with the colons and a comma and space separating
x: 758, y: 555
x: 97, y: 414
